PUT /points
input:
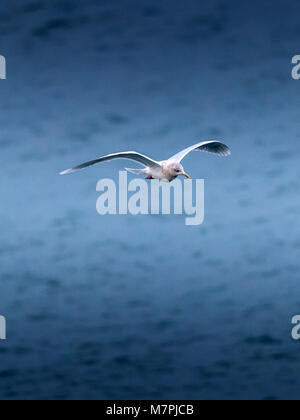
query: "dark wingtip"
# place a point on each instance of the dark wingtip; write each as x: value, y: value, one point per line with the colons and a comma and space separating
x: 225, y: 151
x: 217, y: 148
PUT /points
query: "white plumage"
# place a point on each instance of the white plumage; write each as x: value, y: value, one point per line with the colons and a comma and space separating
x: 166, y: 170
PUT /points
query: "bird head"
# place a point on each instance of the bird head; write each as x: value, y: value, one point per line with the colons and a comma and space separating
x: 176, y: 169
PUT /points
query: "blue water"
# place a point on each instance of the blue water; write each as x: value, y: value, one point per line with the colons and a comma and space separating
x: 127, y: 307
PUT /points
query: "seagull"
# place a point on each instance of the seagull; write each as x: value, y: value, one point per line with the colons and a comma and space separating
x: 166, y: 170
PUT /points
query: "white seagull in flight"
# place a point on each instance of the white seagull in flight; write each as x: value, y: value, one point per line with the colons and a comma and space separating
x: 166, y: 170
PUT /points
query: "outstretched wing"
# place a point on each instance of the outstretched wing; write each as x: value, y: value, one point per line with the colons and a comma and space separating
x: 206, y: 146
x: 144, y: 160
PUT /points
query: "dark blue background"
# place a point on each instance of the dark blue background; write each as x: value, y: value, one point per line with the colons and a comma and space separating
x: 145, y: 307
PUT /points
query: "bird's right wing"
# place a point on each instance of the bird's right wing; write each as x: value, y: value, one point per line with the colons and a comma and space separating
x: 144, y: 160
x: 214, y: 147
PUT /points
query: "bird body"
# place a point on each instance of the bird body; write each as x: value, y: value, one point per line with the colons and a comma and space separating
x: 166, y: 170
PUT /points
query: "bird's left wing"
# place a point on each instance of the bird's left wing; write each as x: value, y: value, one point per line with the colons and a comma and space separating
x: 144, y: 160
x: 206, y: 146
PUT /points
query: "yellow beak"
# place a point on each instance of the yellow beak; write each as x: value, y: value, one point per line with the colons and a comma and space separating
x: 186, y: 175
